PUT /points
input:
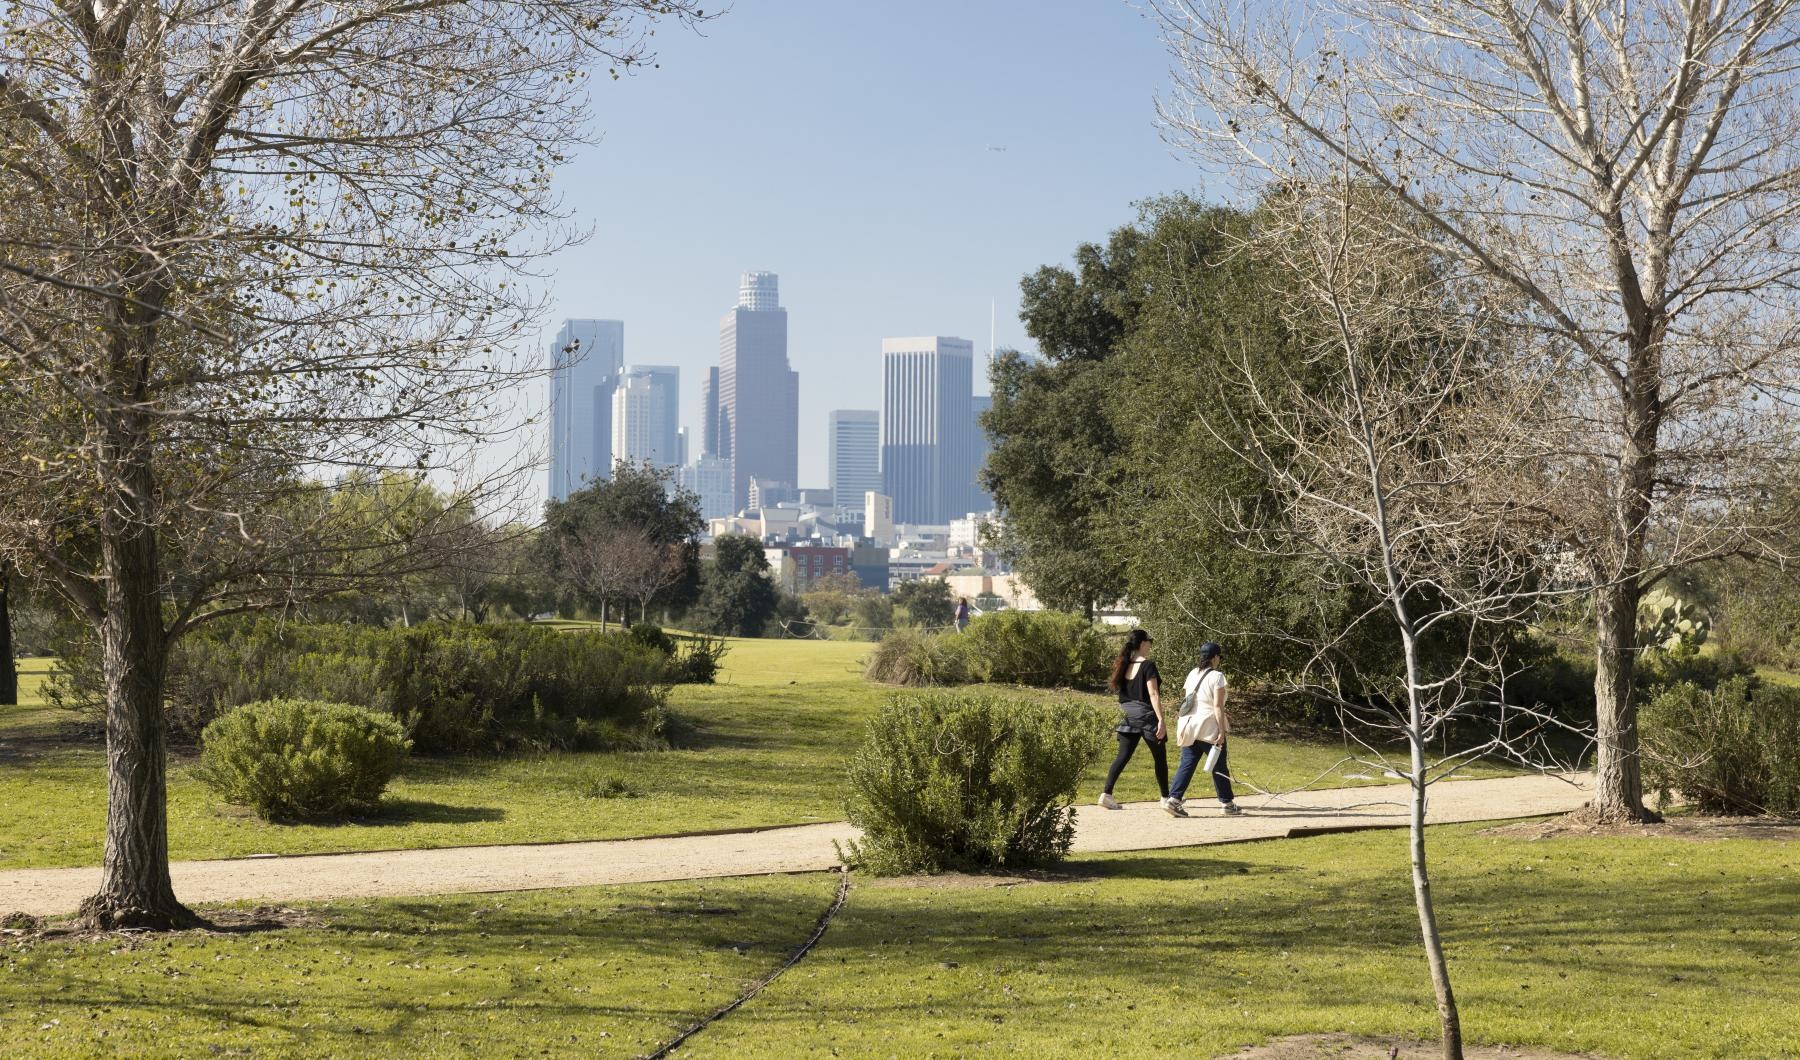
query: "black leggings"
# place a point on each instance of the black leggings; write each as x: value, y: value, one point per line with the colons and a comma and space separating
x: 1159, y: 754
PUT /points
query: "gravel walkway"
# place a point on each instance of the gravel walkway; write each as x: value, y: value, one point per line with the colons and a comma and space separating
x: 450, y: 870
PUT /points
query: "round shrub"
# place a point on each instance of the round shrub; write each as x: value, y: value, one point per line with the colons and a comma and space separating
x: 301, y: 760
x: 1734, y: 749
x: 960, y: 781
x: 915, y: 658
x: 1048, y: 649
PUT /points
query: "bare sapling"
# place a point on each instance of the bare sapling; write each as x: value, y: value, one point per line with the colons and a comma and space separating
x: 1398, y: 471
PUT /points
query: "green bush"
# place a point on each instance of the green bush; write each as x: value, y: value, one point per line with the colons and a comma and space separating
x: 959, y: 781
x: 300, y: 760
x: 458, y: 688
x: 1734, y: 749
x: 1047, y: 649
x: 915, y: 658
x: 696, y: 661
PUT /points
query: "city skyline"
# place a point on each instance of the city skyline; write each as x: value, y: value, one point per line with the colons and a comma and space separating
x: 928, y: 427
x: 865, y: 248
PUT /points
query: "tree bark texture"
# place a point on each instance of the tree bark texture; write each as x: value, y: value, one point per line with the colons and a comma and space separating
x: 1619, y: 777
x: 9, y: 673
x: 135, y: 889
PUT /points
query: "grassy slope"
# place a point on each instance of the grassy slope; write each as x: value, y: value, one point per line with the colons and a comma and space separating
x: 1621, y: 947
x: 588, y: 972
x: 772, y: 740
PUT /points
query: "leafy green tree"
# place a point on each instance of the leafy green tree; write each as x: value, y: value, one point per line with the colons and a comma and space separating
x: 927, y: 602
x: 737, y: 597
x: 612, y: 518
x: 872, y: 616
x: 1054, y: 463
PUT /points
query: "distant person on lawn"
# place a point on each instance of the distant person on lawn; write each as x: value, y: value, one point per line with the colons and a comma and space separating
x: 1202, y: 728
x: 962, y: 613
x: 1139, y: 686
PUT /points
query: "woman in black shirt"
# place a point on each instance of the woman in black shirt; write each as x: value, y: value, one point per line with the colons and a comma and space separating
x: 1139, y: 686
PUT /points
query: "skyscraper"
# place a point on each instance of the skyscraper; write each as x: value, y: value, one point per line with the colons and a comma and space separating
x: 709, y: 478
x: 585, y: 358
x: 982, y: 500
x: 709, y: 410
x: 928, y: 427
x: 854, y: 452
x: 759, y: 395
x: 645, y: 414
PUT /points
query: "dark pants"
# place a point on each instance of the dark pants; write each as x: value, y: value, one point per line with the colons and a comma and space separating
x: 1191, y: 757
x: 1159, y: 754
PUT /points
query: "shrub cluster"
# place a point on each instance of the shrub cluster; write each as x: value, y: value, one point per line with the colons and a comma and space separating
x: 1734, y: 749
x: 960, y: 781
x: 456, y: 687
x: 1046, y: 649
x: 300, y: 760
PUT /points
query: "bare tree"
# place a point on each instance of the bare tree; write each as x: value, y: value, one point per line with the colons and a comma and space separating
x: 660, y: 567
x: 1630, y: 173
x: 249, y: 246
x: 608, y: 562
x: 1393, y: 449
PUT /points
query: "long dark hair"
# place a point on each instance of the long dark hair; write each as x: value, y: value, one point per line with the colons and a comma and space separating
x: 1135, y: 640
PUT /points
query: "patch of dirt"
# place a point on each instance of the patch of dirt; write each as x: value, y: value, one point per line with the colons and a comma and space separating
x: 1356, y: 1047
x: 1694, y: 829
x: 21, y: 929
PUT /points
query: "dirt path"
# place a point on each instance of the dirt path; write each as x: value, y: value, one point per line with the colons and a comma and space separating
x: 1140, y: 826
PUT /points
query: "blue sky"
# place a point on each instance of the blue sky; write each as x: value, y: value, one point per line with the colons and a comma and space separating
x: 845, y: 144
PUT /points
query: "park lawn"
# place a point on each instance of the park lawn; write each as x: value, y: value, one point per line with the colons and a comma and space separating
x: 612, y: 971
x: 1625, y: 947
x: 768, y: 748
x: 1619, y: 947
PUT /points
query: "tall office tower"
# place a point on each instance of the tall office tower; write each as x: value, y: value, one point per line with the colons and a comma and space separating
x: 681, y: 447
x: 709, y: 409
x: 709, y: 478
x: 927, y: 427
x: 759, y: 395
x: 854, y: 452
x: 645, y: 412
x: 585, y: 358
x: 983, y: 501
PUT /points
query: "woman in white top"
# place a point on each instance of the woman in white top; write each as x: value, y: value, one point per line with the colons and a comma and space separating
x: 1204, y: 727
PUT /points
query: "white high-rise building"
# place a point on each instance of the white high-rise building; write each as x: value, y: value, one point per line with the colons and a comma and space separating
x: 644, y: 416
x: 585, y: 358
x: 928, y: 449
x: 854, y: 453
x: 709, y: 478
x: 878, y: 517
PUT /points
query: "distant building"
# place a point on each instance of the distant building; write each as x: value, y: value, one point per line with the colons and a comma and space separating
x: 870, y: 565
x: 818, y: 498
x: 878, y: 517
x: 803, y: 566
x: 585, y: 359
x: 766, y: 493
x: 645, y: 414
x: 853, y: 439
x: 758, y: 394
x: 709, y: 412
x: 928, y: 448
x: 709, y: 478
x: 982, y: 500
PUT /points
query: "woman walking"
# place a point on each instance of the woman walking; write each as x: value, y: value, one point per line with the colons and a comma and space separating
x: 1201, y: 730
x: 1139, y: 686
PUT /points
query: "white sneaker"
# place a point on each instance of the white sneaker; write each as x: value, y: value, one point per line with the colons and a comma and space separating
x: 1232, y: 809
x: 1174, y: 806
x: 1108, y: 802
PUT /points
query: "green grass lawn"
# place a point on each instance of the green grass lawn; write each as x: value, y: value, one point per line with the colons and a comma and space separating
x: 587, y: 972
x: 769, y: 748
x: 1635, y: 947
x: 1622, y: 947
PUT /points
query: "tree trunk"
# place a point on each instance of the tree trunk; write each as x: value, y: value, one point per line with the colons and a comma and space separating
x: 1619, y: 779
x: 9, y: 673
x: 1449, y: 1022
x: 135, y: 890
